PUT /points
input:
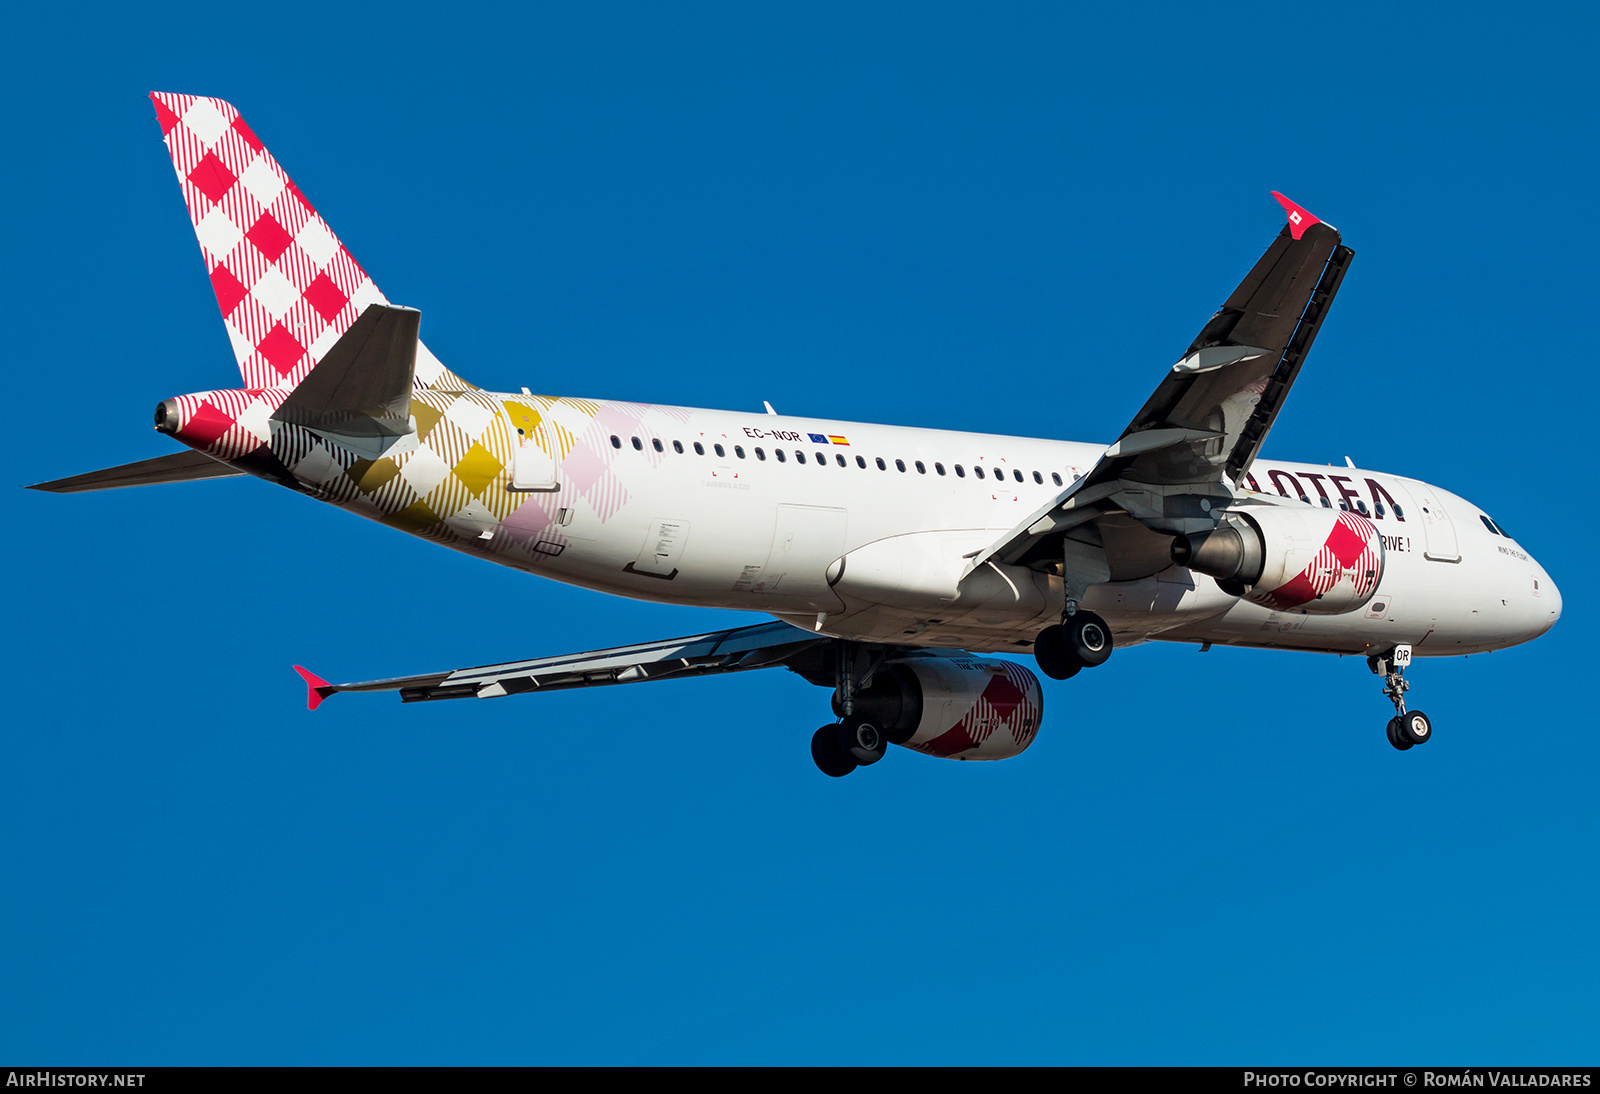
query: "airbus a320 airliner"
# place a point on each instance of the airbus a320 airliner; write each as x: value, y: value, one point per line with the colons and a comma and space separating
x: 896, y: 562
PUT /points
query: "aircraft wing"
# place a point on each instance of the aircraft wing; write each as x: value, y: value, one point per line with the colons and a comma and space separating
x: 766, y: 645
x: 1179, y: 458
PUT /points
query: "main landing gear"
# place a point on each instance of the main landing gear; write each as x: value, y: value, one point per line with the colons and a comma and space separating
x: 841, y: 747
x: 1407, y: 728
x: 871, y: 710
x: 1080, y: 641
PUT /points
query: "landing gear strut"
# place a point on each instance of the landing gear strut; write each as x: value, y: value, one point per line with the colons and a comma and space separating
x: 855, y: 740
x: 1407, y: 728
x: 1080, y: 641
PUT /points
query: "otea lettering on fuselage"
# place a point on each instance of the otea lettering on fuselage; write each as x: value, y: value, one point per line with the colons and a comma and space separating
x: 1346, y: 496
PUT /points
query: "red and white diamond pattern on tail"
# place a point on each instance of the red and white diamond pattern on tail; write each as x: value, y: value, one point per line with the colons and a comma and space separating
x: 286, y: 286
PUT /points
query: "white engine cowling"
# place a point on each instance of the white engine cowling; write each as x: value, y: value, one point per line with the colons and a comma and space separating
x: 1290, y: 558
x: 957, y: 707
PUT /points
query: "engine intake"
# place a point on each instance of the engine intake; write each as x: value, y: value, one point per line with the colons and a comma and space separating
x: 1290, y: 558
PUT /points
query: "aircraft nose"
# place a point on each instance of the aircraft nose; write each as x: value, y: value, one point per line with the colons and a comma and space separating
x: 1547, y: 604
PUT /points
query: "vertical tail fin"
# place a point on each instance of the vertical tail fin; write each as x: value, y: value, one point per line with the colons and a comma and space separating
x: 287, y: 288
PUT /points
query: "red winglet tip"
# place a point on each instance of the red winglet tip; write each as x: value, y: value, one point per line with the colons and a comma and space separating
x: 317, y: 689
x: 1299, y: 218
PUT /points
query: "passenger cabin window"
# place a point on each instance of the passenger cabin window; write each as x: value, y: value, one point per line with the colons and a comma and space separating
x: 1361, y: 507
x: 719, y: 450
x: 1344, y: 506
x: 638, y: 445
x: 978, y: 471
x: 838, y: 456
x: 1325, y: 504
x: 920, y: 469
x: 738, y: 450
x: 938, y: 468
x: 1038, y: 478
x: 1055, y: 478
x: 960, y: 472
x: 1017, y: 474
x: 900, y: 466
x: 799, y: 456
x: 861, y: 462
x: 655, y: 442
x: 778, y: 452
x: 616, y: 441
x: 677, y: 446
x: 760, y: 455
x: 699, y: 449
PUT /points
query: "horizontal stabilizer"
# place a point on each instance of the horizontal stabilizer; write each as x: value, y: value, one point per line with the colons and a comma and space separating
x: 179, y: 467
x: 363, y: 385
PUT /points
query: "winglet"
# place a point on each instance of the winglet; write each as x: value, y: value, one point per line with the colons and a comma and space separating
x: 1299, y: 219
x: 317, y: 689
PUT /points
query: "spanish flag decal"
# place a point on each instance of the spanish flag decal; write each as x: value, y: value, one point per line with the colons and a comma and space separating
x: 837, y: 440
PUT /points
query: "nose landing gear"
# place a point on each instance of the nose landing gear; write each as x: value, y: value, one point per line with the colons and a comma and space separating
x: 1407, y: 728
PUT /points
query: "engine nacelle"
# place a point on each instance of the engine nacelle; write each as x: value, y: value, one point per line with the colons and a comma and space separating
x: 1290, y: 558
x: 960, y: 708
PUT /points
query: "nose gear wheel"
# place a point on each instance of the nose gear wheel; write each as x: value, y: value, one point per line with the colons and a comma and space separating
x: 1407, y: 728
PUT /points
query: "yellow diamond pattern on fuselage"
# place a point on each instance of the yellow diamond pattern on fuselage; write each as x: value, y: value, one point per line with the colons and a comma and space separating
x: 478, y: 468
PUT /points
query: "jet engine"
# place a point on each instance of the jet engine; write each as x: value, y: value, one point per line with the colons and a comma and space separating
x: 960, y: 708
x: 1290, y: 558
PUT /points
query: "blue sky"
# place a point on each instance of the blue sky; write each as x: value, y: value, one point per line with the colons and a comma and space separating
x: 998, y: 218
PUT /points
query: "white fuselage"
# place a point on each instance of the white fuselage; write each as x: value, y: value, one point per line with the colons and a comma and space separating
x: 647, y: 515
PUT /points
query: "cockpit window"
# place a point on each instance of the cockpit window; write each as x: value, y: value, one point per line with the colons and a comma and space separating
x: 1489, y: 524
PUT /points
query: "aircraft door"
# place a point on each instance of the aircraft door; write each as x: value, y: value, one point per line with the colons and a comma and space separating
x: 534, y: 463
x: 535, y: 466
x: 1438, y: 532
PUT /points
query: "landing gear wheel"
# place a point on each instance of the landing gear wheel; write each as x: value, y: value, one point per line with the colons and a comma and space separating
x: 861, y: 741
x: 1413, y: 728
x: 1056, y: 660
x: 1088, y: 638
x: 831, y: 760
x: 1394, y: 736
